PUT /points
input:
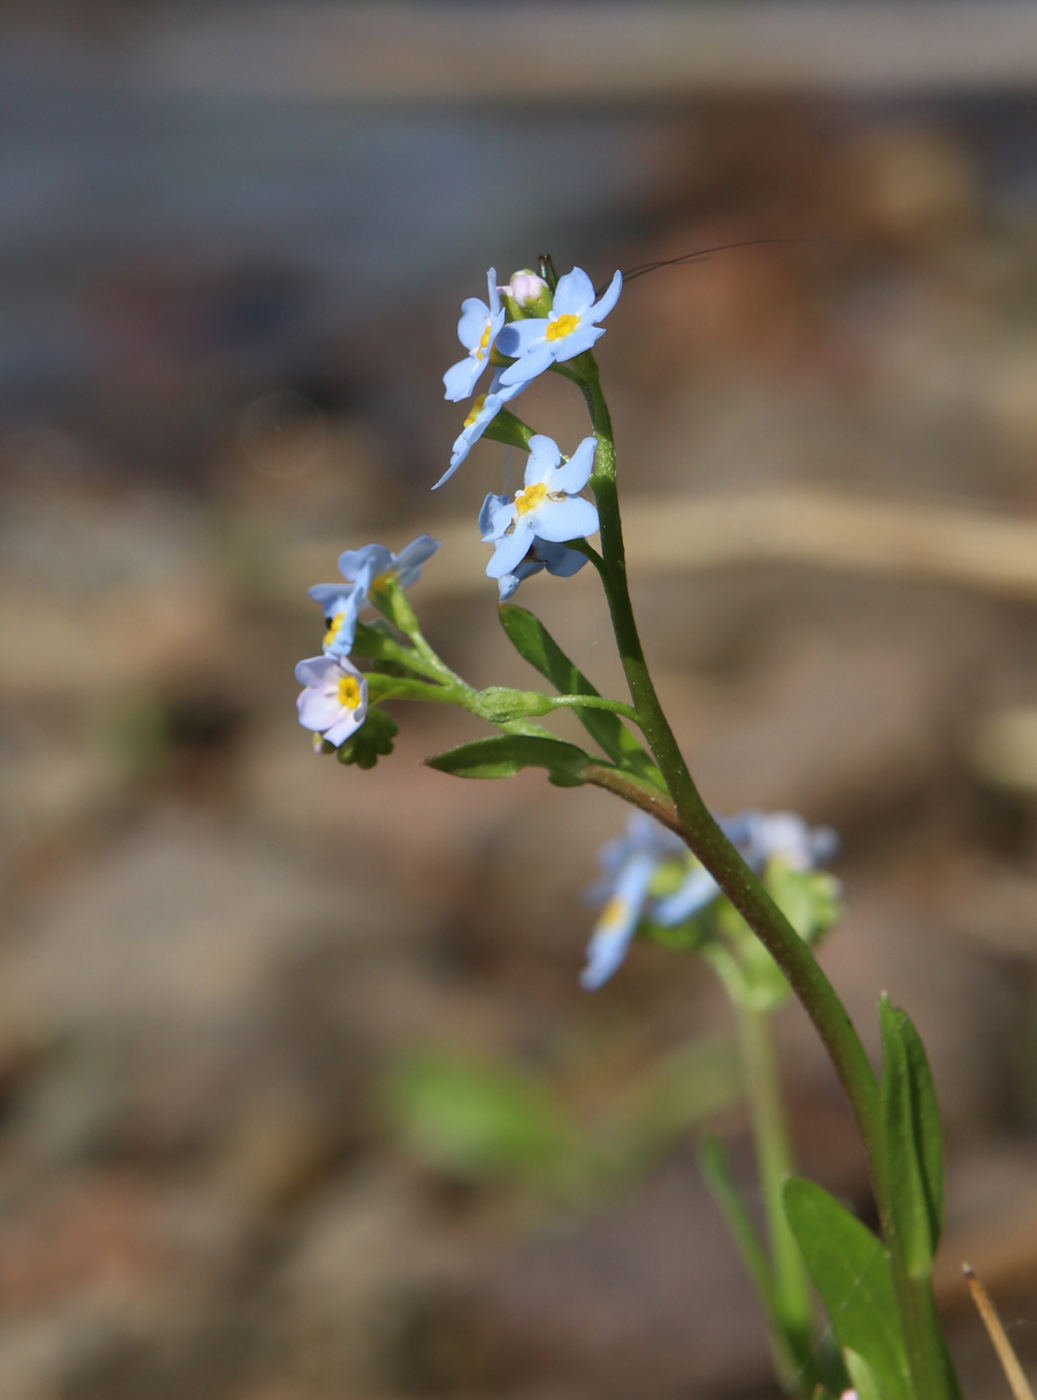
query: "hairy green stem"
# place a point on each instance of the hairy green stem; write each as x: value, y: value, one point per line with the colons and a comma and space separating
x: 708, y: 842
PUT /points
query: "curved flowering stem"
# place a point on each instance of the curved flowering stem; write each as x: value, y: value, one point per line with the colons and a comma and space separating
x: 707, y: 841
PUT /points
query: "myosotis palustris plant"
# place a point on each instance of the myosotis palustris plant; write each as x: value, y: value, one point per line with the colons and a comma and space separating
x: 746, y: 893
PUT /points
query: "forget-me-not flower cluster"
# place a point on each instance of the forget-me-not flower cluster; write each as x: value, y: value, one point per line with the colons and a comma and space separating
x: 630, y: 864
x: 334, y: 702
x: 529, y: 531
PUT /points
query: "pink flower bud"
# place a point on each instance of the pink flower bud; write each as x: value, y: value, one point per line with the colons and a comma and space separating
x: 526, y: 288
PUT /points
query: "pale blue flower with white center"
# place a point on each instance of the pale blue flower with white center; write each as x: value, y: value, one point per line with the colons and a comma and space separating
x: 538, y: 342
x: 334, y: 703
x: 477, y: 330
x: 547, y: 507
x: 629, y: 863
x: 341, y: 607
x: 374, y: 565
x: 483, y: 411
x: 543, y: 554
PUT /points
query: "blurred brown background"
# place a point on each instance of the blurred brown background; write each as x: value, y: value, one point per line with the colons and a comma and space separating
x: 299, y: 1099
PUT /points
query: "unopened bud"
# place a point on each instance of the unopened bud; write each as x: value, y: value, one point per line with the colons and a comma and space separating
x: 499, y: 704
x: 527, y: 295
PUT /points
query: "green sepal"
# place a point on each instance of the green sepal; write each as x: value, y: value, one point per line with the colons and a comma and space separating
x: 376, y: 641
x: 912, y: 1139
x: 534, y: 643
x: 508, y: 428
x: 374, y: 739
x: 504, y: 756
x: 850, y: 1270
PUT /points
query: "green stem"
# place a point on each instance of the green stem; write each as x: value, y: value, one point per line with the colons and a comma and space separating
x: 596, y: 702
x: 705, y: 838
x: 774, y: 1161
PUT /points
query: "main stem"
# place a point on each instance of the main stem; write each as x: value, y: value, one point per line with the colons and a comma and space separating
x: 705, y: 838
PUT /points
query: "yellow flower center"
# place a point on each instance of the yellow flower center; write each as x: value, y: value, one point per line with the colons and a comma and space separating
x: 333, y: 626
x: 614, y: 913
x: 480, y: 353
x: 563, y: 326
x: 476, y: 410
x: 381, y: 583
x: 530, y: 498
x: 349, y: 692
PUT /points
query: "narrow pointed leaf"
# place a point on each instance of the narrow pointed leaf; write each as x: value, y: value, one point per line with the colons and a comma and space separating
x: 505, y: 755
x: 532, y: 640
x: 716, y: 1169
x: 912, y: 1136
x: 851, y: 1272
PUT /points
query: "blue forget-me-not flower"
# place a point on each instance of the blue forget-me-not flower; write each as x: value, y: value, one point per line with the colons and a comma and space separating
x: 341, y: 606
x: 483, y: 411
x: 334, y: 703
x: 543, y: 554
x: 477, y: 329
x: 630, y: 864
x: 538, y: 342
x: 547, y: 507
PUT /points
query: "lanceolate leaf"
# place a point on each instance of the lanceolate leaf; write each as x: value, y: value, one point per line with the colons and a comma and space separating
x: 533, y: 641
x: 850, y: 1271
x: 912, y: 1137
x: 505, y: 755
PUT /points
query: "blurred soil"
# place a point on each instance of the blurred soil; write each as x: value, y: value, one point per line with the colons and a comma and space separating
x: 217, y: 947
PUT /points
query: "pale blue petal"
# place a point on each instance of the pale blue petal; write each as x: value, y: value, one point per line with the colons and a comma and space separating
x: 511, y: 550
x: 529, y: 366
x: 544, y: 456
x: 609, y: 298
x: 698, y: 890
x: 492, y: 291
x: 558, y: 560
x: 474, y: 315
x: 373, y: 560
x: 571, y: 519
x: 326, y: 592
x: 460, y: 379
x: 518, y: 337
x: 318, y: 709
x: 317, y: 671
x: 573, y: 295
x: 349, y: 723
x: 508, y: 583
x: 412, y: 556
x: 495, y: 517
x: 572, y: 476
x: 582, y: 338
x: 612, y: 936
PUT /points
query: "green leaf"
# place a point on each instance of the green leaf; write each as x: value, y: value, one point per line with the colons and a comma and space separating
x: 476, y: 1119
x: 865, y: 1381
x: 531, y: 639
x: 716, y: 1169
x: 372, y: 740
x: 851, y: 1272
x: 912, y: 1139
x: 505, y: 755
